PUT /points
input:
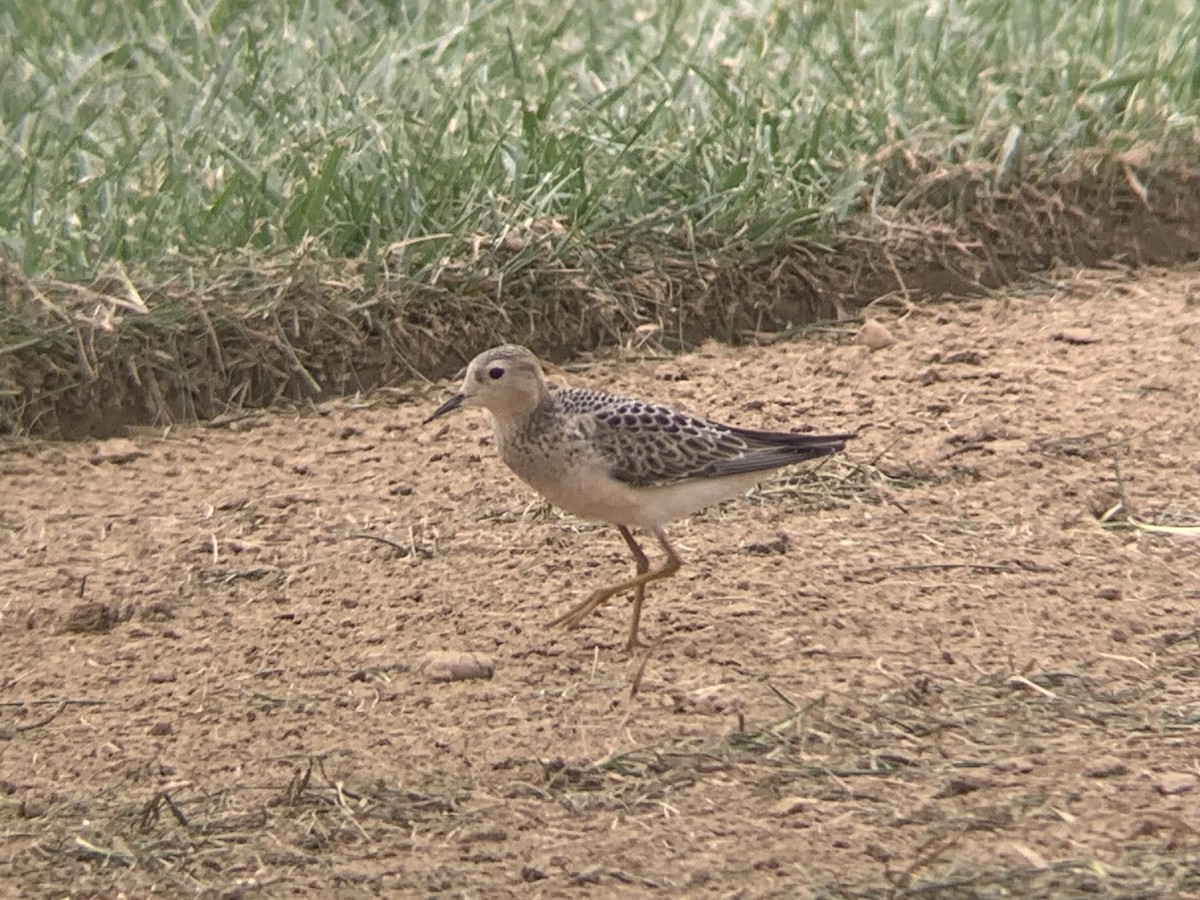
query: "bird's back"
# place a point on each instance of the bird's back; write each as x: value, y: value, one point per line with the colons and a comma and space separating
x: 645, y: 443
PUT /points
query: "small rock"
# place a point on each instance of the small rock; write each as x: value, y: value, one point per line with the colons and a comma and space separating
x: 1077, y: 336
x: 1106, y: 767
x: 1157, y: 383
x: 90, y: 617
x: 485, y: 835
x: 963, y: 358
x: 31, y: 809
x: 963, y: 784
x: 928, y: 377
x: 789, y: 806
x: 447, y: 665
x: 531, y: 873
x: 116, y: 451
x: 161, y: 729
x: 1175, y: 783
x: 874, y: 335
x: 590, y: 875
x: 1015, y: 764
x: 877, y: 852
x: 714, y: 699
x: 1028, y: 854
x: 778, y: 545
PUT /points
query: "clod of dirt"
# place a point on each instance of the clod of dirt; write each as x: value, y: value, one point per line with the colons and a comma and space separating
x: 485, y: 835
x: 778, y: 545
x: 1077, y: 336
x: 1106, y: 767
x: 789, y: 806
x: 964, y: 784
x: 159, y: 611
x: 994, y: 430
x: 590, y: 875
x: 1016, y: 764
x: 712, y: 700
x: 959, y: 358
x: 531, y: 874
x: 90, y: 617
x: 1105, y: 502
x: 116, y: 451
x: 1175, y: 783
x: 31, y: 809
x: 874, y: 335
x: 448, y: 665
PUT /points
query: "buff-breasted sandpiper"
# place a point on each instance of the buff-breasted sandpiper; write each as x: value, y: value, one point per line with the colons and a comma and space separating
x: 613, y: 459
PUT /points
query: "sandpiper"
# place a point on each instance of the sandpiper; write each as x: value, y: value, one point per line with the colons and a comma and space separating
x: 614, y: 459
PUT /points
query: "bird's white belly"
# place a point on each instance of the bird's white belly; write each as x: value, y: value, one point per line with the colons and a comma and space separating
x: 586, y: 492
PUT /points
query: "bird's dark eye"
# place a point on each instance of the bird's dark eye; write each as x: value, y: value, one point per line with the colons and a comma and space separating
x: 495, y: 372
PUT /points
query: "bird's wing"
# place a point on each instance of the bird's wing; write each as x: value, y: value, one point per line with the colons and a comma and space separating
x: 644, y: 443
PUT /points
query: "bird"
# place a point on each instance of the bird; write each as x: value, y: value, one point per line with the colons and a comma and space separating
x: 630, y: 463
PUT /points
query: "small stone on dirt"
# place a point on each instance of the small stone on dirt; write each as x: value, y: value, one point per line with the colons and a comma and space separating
x: 589, y: 875
x: 1028, y: 854
x: 485, y: 835
x: 789, y: 806
x: 1175, y: 783
x: 1077, y: 336
x: 874, y: 335
x: 1015, y: 764
x: 530, y: 874
x: 90, y: 618
x: 448, y: 665
x: 711, y: 700
x: 778, y: 545
x: 670, y: 372
x: 928, y: 377
x: 116, y: 451
x: 1106, y: 767
x: 962, y: 358
x: 877, y: 852
x: 31, y: 809
x: 964, y: 784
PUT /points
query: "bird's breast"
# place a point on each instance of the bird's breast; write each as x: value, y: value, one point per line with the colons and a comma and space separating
x: 562, y: 467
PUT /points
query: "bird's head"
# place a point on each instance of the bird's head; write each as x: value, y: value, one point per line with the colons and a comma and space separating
x: 506, y: 381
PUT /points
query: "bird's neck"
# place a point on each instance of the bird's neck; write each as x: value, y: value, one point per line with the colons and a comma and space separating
x: 522, y: 416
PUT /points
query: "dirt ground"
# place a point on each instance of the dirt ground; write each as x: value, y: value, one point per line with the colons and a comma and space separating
x: 948, y: 663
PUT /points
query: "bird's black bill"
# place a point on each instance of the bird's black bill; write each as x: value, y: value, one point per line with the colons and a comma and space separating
x: 449, y: 406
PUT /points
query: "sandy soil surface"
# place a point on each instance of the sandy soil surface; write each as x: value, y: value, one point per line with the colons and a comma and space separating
x: 946, y: 663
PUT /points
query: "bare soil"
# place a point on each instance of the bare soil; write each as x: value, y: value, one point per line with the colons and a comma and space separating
x: 950, y: 662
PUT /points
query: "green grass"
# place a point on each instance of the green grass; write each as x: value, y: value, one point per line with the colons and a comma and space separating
x: 145, y: 133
